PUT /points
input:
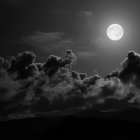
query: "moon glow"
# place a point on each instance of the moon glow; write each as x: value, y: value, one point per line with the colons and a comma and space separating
x: 115, y: 32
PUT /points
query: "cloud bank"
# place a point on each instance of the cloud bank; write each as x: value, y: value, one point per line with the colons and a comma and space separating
x: 30, y: 89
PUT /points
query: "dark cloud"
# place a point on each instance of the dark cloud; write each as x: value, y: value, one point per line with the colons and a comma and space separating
x: 1, y: 62
x: 4, y: 64
x: 131, y: 67
x: 22, y: 64
x: 29, y: 89
x: 115, y: 73
x: 78, y: 76
x: 52, y: 65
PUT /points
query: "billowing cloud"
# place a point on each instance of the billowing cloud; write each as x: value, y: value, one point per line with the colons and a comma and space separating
x: 51, y: 88
x: 131, y: 67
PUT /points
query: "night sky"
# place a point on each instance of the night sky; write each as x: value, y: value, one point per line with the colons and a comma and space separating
x: 53, y: 26
x: 53, y: 93
x: 60, y: 71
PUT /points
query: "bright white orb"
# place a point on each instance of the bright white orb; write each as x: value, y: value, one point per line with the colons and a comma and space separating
x: 115, y: 32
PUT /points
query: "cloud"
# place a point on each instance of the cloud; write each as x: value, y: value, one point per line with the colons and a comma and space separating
x: 85, y: 14
x: 58, y: 42
x: 64, y: 90
x: 80, y: 13
x: 86, y: 54
x: 130, y: 68
x: 49, y: 41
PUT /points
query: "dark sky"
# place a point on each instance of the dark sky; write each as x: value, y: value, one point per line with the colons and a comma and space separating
x: 53, y: 26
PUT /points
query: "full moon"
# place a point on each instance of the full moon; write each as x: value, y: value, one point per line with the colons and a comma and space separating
x: 115, y: 32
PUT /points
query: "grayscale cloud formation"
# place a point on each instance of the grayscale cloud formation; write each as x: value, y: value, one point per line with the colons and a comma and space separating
x: 28, y: 88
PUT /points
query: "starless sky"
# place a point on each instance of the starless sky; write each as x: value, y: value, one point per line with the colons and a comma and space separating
x: 53, y: 26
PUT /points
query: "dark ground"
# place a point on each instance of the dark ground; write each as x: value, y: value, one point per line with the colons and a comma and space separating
x: 116, y: 126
